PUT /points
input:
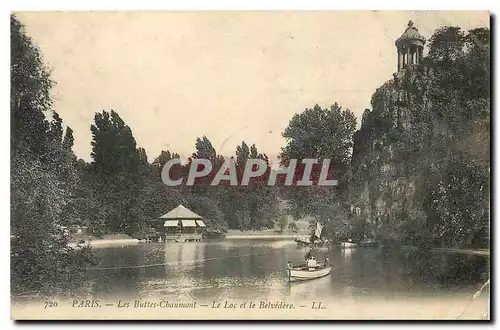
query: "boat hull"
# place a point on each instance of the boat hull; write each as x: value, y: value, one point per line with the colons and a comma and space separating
x: 295, y: 275
x: 369, y: 244
x: 304, y: 242
x: 348, y: 245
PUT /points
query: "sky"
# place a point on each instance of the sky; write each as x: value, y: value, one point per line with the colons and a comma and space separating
x: 232, y: 76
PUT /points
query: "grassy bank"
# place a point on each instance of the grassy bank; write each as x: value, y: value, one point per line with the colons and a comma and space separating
x: 470, y: 251
x: 104, y: 240
x: 483, y: 252
x: 263, y: 234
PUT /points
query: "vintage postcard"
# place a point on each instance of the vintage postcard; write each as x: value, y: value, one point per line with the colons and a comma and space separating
x: 250, y: 165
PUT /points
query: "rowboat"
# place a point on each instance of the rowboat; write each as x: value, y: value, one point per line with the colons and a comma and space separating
x: 303, y: 272
x: 349, y: 244
x: 368, y: 243
x: 302, y: 241
x: 306, y: 242
x: 312, y: 241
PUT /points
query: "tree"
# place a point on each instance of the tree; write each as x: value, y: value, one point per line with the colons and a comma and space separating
x: 421, y: 159
x: 43, y: 178
x: 257, y: 203
x: 204, y: 149
x: 208, y: 201
x: 120, y: 169
x: 242, y: 154
x: 163, y: 158
x: 212, y: 215
x: 68, y: 139
x: 30, y: 93
x: 457, y: 203
x: 456, y: 196
x: 320, y: 134
x: 446, y: 44
x: 87, y: 208
x: 282, y: 221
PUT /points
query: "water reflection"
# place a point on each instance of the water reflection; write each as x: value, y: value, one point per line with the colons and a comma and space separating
x: 255, y: 269
x: 109, y: 283
x: 178, y: 269
x: 347, y: 254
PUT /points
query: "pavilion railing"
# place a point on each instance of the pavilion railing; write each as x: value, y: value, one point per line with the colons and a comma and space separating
x: 184, y: 237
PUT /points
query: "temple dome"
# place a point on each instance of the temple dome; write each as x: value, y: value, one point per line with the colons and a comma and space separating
x: 410, y: 47
x: 410, y: 36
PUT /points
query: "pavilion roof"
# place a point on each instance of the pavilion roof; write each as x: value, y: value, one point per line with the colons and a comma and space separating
x: 181, y: 213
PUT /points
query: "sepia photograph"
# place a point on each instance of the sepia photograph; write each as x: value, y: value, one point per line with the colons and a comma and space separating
x: 250, y: 165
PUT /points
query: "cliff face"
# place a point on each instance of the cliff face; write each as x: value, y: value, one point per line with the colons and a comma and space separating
x: 385, y: 176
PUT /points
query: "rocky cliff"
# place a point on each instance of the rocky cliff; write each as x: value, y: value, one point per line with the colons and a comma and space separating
x: 420, y: 167
x: 384, y: 177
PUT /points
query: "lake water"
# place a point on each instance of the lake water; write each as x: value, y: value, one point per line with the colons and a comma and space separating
x: 248, y: 279
x: 376, y: 282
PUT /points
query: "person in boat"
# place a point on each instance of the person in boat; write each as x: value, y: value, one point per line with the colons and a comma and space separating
x: 310, y: 260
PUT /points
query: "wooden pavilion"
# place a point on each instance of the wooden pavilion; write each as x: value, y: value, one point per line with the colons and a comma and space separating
x: 182, y: 225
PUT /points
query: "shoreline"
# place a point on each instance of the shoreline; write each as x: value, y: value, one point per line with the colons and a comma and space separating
x: 270, y: 237
x: 135, y: 241
x: 482, y: 252
x: 107, y: 242
x: 97, y: 243
x: 269, y: 234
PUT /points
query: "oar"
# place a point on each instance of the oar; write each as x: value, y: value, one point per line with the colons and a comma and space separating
x: 289, y: 267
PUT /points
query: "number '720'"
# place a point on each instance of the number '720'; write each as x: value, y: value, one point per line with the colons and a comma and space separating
x: 50, y: 304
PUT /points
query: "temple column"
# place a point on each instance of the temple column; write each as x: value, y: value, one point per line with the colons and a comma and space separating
x: 399, y: 60
x: 408, y: 56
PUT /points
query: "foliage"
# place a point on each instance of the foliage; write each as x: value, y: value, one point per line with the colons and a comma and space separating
x: 256, y: 201
x: 43, y: 178
x: 212, y: 215
x: 421, y: 158
x: 120, y: 169
x: 282, y: 221
x: 237, y: 207
x: 418, y: 169
x: 321, y: 134
x: 457, y: 198
x: 293, y: 226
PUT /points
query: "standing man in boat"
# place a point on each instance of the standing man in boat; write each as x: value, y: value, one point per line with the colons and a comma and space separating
x: 311, y: 259
x: 317, y: 234
x: 311, y: 262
